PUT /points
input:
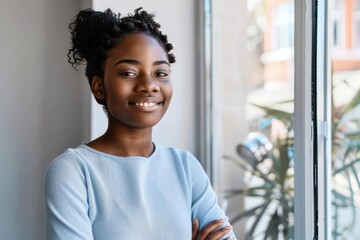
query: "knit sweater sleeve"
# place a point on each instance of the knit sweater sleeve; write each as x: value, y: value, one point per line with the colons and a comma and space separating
x: 66, y: 205
x: 204, y: 201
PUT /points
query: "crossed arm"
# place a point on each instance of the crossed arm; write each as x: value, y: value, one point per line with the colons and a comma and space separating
x: 212, y: 231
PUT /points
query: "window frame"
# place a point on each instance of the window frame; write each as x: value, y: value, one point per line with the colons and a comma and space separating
x: 303, y: 199
x: 304, y: 190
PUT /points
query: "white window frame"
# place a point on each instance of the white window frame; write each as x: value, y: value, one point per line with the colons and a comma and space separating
x: 303, y: 167
x: 324, y: 41
x: 304, y: 194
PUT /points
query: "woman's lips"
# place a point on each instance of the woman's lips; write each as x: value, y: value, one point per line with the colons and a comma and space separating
x: 146, y: 105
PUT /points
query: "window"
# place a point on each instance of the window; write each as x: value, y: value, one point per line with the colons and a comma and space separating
x: 252, y: 109
x: 338, y: 24
x: 254, y: 72
x: 356, y: 25
x: 283, y: 25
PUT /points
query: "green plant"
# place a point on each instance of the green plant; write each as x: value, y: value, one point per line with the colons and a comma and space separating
x: 345, y: 163
x: 272, y: 178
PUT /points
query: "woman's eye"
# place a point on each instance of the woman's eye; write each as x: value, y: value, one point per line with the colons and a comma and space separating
x: 128, y: 74
x: 162, y: 74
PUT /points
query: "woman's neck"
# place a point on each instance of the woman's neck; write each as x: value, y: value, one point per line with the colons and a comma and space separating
x: 123, y: 141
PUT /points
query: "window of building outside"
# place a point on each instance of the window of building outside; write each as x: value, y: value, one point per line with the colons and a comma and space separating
x: 283, y: 26
x: 356, y: 25
x: 253, y: 84
x: 338, y: 24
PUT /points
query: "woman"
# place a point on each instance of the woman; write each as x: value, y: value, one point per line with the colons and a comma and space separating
x: 122, y: 185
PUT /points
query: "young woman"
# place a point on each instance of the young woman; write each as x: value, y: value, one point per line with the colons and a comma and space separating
x: 122, y: 185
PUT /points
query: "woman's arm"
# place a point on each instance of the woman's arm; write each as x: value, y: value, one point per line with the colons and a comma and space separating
x: 205, y: 207
x: 66, y: 205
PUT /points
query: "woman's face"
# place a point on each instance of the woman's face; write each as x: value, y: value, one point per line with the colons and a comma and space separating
x: 136, y: 84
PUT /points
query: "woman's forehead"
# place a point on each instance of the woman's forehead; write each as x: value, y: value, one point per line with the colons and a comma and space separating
x: 138, y: 46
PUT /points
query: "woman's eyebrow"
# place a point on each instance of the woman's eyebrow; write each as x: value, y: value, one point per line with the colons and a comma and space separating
x: 128, y: 61
x: 161, y: 62
x: 135, y: 62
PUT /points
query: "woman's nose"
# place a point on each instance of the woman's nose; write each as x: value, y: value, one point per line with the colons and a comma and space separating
x: 147, y: 84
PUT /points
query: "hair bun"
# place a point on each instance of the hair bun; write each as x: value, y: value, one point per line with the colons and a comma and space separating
x: 87, y: 34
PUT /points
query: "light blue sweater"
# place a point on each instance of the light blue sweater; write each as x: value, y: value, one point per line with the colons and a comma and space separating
x: 94, y: 195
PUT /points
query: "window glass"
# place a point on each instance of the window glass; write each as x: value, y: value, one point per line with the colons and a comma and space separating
x: 253, y: 78
x: 346, y: 125
x: 338, y: 23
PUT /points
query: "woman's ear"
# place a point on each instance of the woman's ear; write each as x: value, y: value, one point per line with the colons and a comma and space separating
x: 97, y: 88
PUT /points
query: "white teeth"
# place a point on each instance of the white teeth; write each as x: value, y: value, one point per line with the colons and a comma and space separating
x: 145, y: 104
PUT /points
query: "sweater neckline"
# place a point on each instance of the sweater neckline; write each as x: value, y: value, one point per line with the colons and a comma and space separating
x: 108, y: 155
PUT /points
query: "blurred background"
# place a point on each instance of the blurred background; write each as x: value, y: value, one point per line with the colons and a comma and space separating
x: 235, y: 64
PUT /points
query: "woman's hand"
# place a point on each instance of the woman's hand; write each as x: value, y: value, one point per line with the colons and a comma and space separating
x: 209, y: 232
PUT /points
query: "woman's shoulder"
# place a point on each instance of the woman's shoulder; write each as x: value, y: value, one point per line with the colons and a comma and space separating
x: 70, y: 160
x: 65, y: 175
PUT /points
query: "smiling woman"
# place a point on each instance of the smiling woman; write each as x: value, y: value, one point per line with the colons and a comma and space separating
x: 122, y: 181
x: 136, y: 80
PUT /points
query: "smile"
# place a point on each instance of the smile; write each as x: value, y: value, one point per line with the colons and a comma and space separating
x: 145, y: 104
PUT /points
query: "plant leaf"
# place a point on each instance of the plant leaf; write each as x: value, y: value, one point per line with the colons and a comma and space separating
x: 258, y: 217
x: 233, y: 192
x: 238, y: 162
x: 247, y: 213
x: 272, y: 229
x: 351, y: 105
x: 345, y: 167
x: 284, y: 164
x: 281, y: 115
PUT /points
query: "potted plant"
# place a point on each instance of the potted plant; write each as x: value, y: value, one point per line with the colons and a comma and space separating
x: 269, y: 167
x: 270, y: 173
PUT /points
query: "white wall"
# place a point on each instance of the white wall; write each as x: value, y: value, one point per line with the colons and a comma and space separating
x: 177, y: 19
x: 42, y: 106
x: 44, y: 103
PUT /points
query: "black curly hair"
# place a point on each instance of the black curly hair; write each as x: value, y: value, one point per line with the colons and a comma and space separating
x: 95, y: 33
